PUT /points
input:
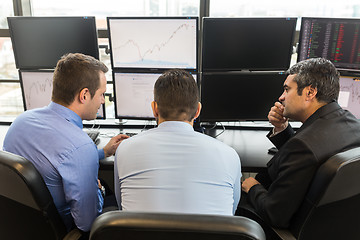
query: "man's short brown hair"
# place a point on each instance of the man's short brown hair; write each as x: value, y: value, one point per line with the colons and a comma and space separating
x: 177, y: 95
x: 74, y: 72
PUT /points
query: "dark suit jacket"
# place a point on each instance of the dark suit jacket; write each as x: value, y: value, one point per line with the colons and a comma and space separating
x: 328, y: 131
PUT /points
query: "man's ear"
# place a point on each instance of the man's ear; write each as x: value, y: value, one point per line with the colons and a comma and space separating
x: 155, y: 109
x: 198, y: 110
x: 83, y: 95
x: 310, y: 92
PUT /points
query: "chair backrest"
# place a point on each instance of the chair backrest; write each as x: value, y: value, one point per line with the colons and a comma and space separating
x: 331, y: 209
x: 161, y: 226
x: 27, y: 210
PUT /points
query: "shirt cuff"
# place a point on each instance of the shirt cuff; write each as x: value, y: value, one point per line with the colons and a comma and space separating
x: 273, y: 133
x: 101, y: 154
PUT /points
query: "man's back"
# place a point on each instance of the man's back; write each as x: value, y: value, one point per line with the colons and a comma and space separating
x: 174, y: 169
x: 53, y: 140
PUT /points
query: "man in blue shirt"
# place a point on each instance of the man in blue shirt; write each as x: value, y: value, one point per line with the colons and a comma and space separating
x: 53, y: 140
x: 172, y: 168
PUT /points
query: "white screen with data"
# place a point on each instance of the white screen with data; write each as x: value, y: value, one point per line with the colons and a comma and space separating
x: 134, y: 93
x: 37, y: 89
x: 153, y: 43
x: 349, y: 97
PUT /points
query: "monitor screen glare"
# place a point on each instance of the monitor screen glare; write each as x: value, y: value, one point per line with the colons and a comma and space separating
x: 37, y: 87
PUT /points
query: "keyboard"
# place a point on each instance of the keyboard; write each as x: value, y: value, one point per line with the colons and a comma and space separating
x: 93, y: 134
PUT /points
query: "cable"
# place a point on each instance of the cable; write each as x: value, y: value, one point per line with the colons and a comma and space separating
x: 222, y: 130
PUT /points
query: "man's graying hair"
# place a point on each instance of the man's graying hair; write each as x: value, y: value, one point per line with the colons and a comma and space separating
x: 320, y: 74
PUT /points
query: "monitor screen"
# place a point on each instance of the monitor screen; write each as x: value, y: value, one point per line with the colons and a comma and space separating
x: 235, y: 44
x: 349, y: 97
x: 153, y: 43
x: 39, y: 42
x: 134, y: 93
x: 332, y: 38
x: 235, y: 97
x: 36, y: 87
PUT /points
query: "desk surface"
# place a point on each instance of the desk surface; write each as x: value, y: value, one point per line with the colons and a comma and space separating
x: 251, y: 145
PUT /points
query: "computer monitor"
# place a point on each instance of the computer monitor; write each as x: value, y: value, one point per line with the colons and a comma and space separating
x: 153, y: 42
x: 39, y: 42
x: 36, y: 87
x: 235, y: 44
x: 134, y: 93
x: 336, y: 39
x: 349, y: 97
x: 239, y: 97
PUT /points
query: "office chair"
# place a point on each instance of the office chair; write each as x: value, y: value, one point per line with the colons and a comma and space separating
x: 27, y: 210
x: 174, y: 226
x: 331, y: 209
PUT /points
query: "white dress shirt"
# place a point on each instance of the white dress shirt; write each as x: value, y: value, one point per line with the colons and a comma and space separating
x: 173, y: 168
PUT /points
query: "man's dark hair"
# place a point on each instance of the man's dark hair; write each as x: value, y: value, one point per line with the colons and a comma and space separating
x: 177, y: 95
x: 74, y: 72
x: 320, y: 74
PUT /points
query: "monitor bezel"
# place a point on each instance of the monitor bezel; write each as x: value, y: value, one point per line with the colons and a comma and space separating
x: 41, y: 71
x: 19, y: 65
x: 108, y: 19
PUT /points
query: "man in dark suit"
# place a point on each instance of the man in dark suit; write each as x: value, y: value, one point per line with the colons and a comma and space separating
x: 310, y: 93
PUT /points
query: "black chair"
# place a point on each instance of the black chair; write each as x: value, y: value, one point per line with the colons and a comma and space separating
x: 164, y: 226
x: 27, y: 210
x: 331, y: 209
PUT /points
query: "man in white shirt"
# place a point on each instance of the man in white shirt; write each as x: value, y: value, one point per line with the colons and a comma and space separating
x: 172, y: 168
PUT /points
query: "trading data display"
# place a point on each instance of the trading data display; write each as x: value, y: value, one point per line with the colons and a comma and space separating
x: 155, y: 43
x: 134, y: 93
x: 331, y: 38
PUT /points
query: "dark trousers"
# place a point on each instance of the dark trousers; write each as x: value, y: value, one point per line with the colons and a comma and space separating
x: 245, y: 209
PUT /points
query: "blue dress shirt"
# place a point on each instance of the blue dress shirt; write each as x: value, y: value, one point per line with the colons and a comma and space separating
x: 172, y: 168
x: 53, y: 140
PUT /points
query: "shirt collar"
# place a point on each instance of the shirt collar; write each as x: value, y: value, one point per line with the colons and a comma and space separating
x: 66, y: 113
x: 176, y: 124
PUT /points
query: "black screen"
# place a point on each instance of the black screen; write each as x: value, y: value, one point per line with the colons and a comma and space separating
x: 332, y: 38
x: 39, y: 42
x: 227, y: 97
x: 231, y: 44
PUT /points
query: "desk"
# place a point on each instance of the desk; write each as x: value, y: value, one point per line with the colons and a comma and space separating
x: 251, y: 145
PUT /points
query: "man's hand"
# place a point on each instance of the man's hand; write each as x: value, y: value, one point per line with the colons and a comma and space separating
x: 248, y: 183
x: 112, y: 145
x: 276, y: 117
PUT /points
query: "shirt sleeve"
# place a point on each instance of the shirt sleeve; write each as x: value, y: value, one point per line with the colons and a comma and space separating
x: 237, y: 192
x: 79, y: 171
x: 101, y: 153
x: 292, y: 177
x: 282, y: 137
